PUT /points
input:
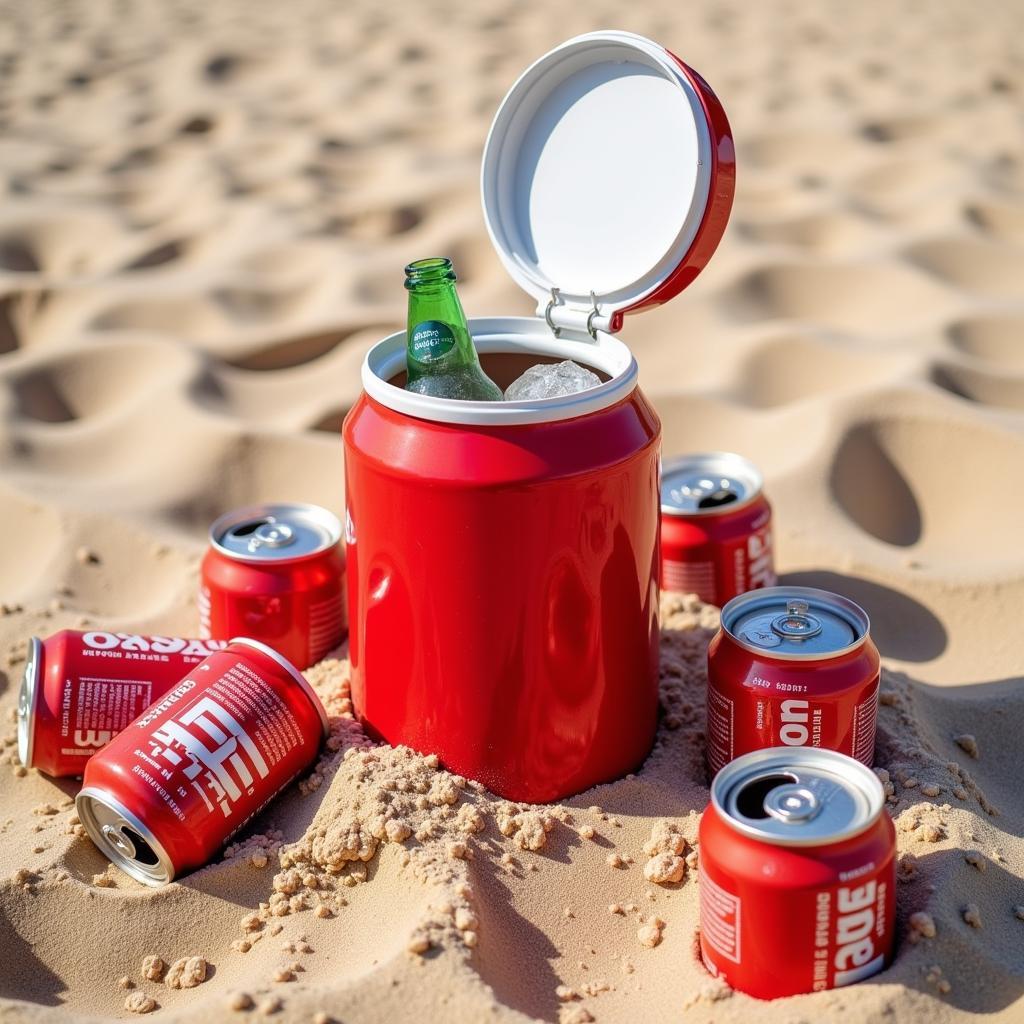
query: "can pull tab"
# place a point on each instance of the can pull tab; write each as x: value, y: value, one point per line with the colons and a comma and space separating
x: 792, y: 804
x: 119, y: 841
x: 271, y: 535
x: 797, y: 623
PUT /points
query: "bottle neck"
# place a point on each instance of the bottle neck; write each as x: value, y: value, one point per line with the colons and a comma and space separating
x: 438, y: 335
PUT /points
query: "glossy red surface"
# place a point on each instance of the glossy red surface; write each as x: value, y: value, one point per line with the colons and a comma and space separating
x: 718, y: 556
x: 145, y: 772
x: 828, y: 702
x: 772, y: 896
x: 716, y: 214
x: 92, y: 684
x: 297, y: 607
x: 503, y: 592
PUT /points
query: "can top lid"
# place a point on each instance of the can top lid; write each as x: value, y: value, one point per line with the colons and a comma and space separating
x: 27, y: 696
x: 275, y: 533
x: 708, y: 484
x: 607, y: 179
x: 123, y: 838
x: 794, y: 623
x: 797, y: 796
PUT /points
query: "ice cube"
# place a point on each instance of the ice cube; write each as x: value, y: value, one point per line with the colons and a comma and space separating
x: 551, y: 380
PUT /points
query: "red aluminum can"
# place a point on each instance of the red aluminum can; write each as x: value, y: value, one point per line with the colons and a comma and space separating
x: 275, y: 573
x: 79, y: 690
x: 503, y: 556
x: 797, y: 873
x: 716, y: 527
x: 166, y: 793
x: 795, y: 667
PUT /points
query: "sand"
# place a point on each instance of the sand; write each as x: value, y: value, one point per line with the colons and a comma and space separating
x: 206, y: 208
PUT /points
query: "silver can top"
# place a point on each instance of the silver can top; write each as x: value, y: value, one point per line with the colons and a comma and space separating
x: 275, y: 533
x: 797, y: 796
x: 123, y: 838
x: 708, y: 483
x: 793, y: 623
x: 27, y: 696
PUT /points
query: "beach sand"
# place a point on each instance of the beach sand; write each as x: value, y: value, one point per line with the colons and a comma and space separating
x: 206, y: 209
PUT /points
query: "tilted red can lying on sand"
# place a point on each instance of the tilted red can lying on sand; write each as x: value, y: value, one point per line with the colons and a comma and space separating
x: 503, y: 556
x: 166, y: 793
x: 791, y: 666
x: 797, y: 873
x: 80, y: 689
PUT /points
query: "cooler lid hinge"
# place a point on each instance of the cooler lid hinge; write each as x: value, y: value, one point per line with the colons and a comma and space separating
x: 560, y: 316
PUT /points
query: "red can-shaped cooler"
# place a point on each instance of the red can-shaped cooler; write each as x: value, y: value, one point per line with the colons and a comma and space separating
x: 503, y: 556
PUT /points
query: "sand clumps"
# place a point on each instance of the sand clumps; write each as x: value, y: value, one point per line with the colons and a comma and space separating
x: 922, y: 926
x: 968, y: 744
x: 666, y: 848
x: 139, y: 1002
x: 933, y: 976
x: 153, y: 968
x: 976, y: 860
x: 188, y: 972
x: 378, y: 797
x: 650, y: 932
x: 913, y: 768
x: 527, y: 829
x: 240, y: 1002
x: 665, y: 869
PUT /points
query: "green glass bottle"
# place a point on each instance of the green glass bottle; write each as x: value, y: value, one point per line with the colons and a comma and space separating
x: 440, y: 355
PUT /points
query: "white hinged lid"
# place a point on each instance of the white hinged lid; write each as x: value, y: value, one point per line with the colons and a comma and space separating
x: 607, y: 179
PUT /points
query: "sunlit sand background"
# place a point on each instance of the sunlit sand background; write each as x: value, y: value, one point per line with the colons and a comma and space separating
x: 205, y: 212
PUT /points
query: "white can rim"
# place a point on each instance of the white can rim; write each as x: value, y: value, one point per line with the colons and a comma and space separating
x: 528, y: 335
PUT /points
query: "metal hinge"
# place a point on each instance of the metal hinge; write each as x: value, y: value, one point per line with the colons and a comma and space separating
x: 559, y: 316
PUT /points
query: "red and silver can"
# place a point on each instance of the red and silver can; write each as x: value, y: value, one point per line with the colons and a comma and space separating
x: 716, y: 527
x: 276, y: 573
x: 503, y: 556
x: 166, y: 793
x: 797, y: 873
x: 79, y: 690
x: 794, y: 667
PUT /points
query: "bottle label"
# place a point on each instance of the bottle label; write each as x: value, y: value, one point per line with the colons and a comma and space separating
x: 432, y: 339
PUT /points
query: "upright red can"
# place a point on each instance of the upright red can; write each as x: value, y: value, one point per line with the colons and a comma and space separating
x: 797, y: 873
x: 79, y: 690
x: 166, y: 793
x: 795, y: 667
x: 503, y: 556
x: 716, y: 527
x: 276, y: 573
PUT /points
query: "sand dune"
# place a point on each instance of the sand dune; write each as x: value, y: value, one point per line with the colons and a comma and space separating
x: 206, y: 209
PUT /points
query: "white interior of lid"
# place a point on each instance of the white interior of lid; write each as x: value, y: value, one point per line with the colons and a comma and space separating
x: 597, y: 169
x: 507, y: 334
